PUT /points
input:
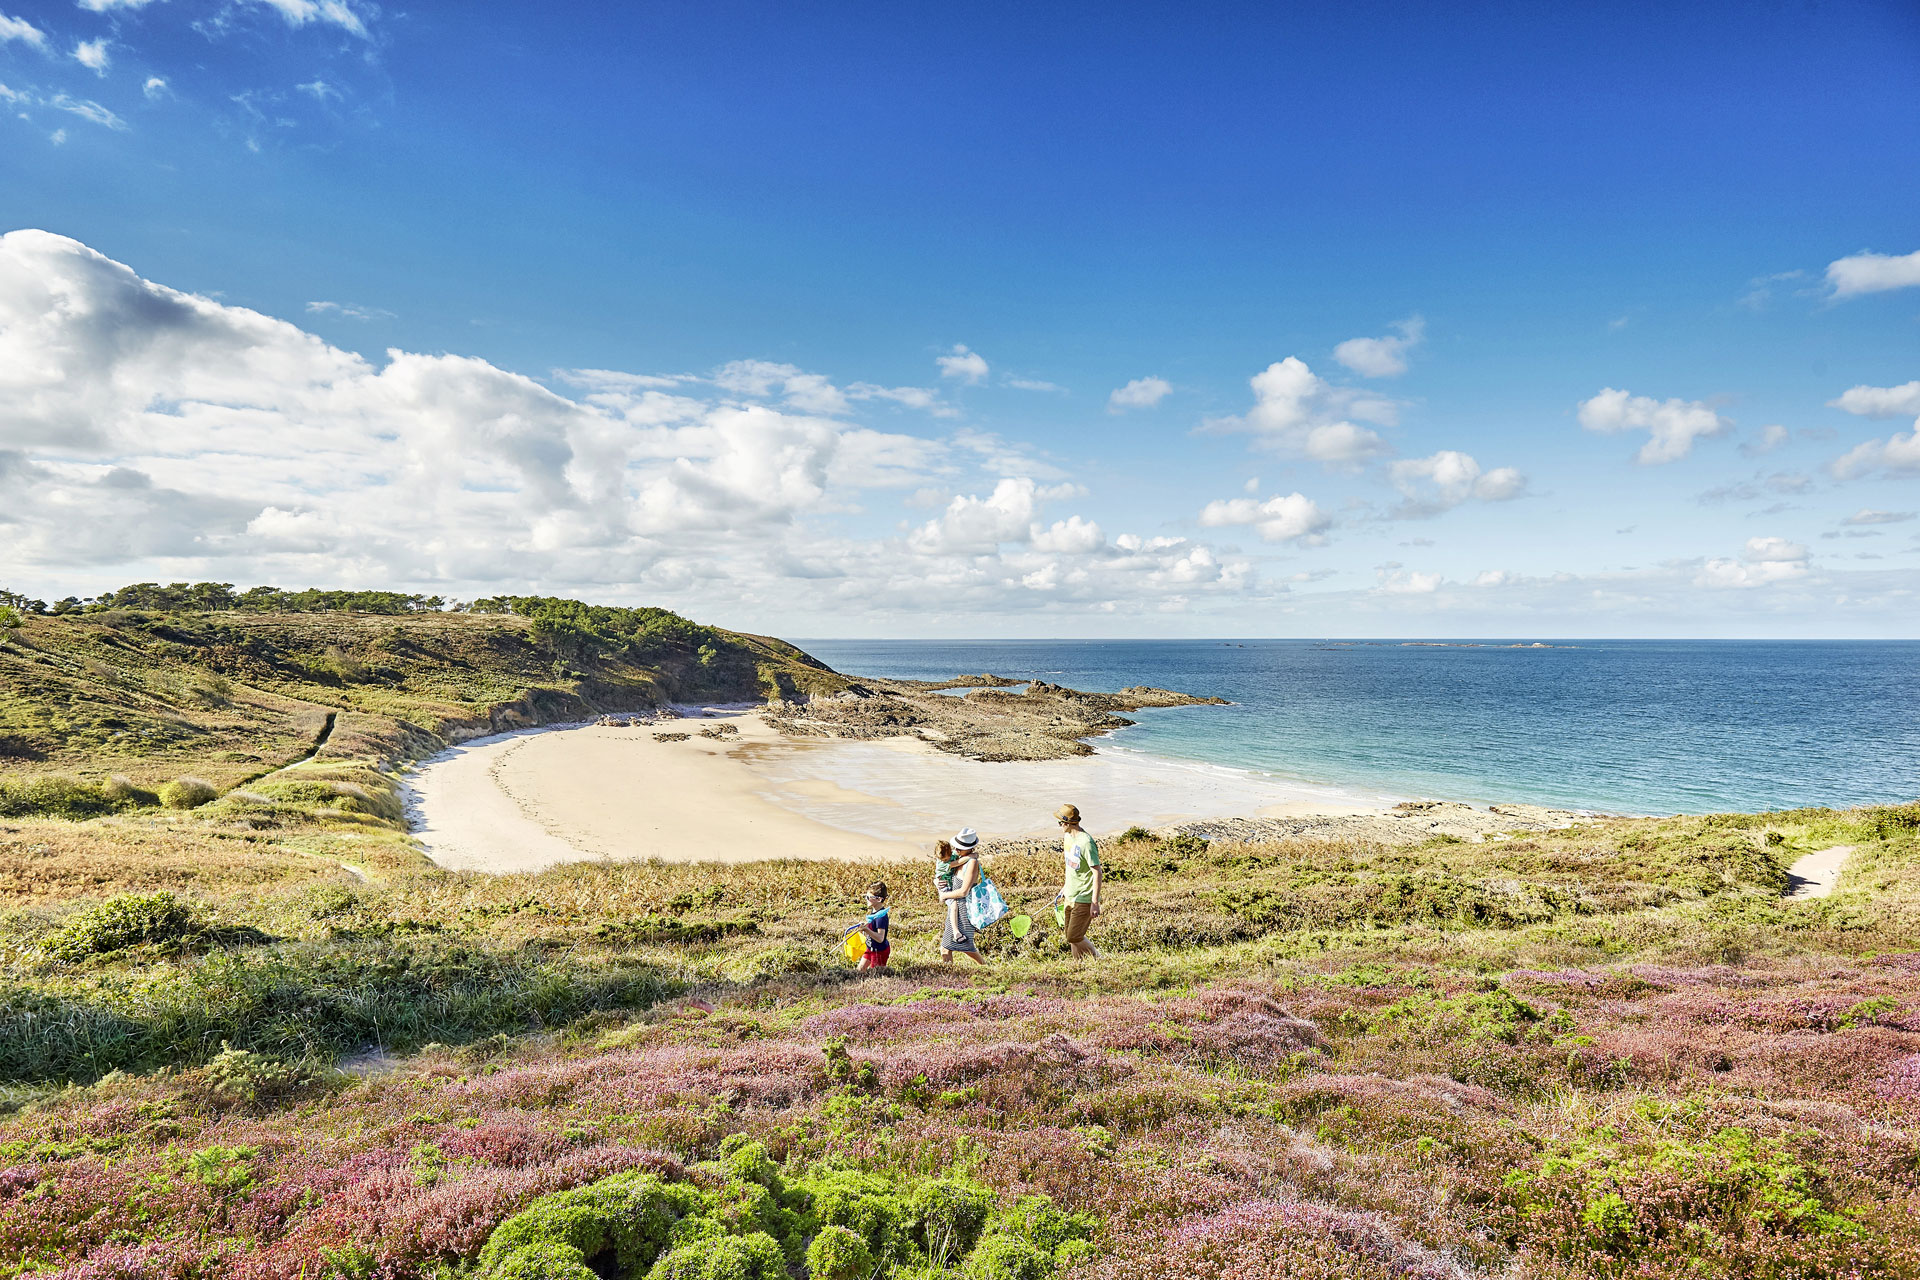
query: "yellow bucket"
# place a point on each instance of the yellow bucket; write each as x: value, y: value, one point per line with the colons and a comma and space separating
x: 856, y: 947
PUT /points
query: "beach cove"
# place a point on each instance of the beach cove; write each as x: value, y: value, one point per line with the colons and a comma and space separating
x: 731, y: 786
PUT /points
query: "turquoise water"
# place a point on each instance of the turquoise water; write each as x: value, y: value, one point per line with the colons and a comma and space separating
x: 1649, y: 726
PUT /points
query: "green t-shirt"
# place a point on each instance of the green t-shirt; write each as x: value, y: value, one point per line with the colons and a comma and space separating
x: 1083, y: 855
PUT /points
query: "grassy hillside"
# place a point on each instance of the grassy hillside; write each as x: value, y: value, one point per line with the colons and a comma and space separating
x: 224, y: 696
x: 263, y: 1037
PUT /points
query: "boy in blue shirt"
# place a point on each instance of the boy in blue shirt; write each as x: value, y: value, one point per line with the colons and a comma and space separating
x: 875, y: 928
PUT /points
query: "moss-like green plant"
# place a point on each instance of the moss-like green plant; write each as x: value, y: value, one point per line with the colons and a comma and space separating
x: 748, y: 1257
x: 1008, y: 1258
x: 627, y: 1218
x: 839, y: 1254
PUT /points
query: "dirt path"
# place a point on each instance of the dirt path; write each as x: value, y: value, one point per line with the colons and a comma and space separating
x: 1815, y: 875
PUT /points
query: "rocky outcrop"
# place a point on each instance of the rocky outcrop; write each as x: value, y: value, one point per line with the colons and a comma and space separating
x: 994, y: 719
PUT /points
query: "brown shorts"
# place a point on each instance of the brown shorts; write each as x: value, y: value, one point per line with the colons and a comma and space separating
x: 1079, y: 916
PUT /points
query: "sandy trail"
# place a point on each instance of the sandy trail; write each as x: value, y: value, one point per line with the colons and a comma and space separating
x: 527, y: 801
x: 1815, y: 875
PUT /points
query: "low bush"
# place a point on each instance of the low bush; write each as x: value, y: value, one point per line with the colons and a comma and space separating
x: 130, y: 920
x: 60, y: 798
x: 188, y: 793
x: 743, y: 1217
x: 309, y: 1001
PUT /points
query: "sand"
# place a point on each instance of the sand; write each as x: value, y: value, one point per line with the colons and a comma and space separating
x: 1815, y: 875
x: 531, y: 800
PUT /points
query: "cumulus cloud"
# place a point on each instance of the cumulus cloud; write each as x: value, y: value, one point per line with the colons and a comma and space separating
x: 966, y: 366
x: 1902, y: 401
x: 20, y: 29
x: 1442, y: 482
x: 150, y: 432
x: 1298, y: 412
x: 1873, y: 273
x: 973, y: 525
x: 1141, y: 393
x: 1867, y: 515
x: 1290, y: 518
x: 1762, y: 562
x: 1672, y: 426
x: 1382, y: 357
x: 155, y: 88
x: 1898, y: 453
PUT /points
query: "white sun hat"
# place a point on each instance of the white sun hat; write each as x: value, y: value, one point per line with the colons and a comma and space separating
x: 965, y: 839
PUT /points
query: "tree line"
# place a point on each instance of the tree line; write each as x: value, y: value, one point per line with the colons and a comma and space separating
x: 219, y: 597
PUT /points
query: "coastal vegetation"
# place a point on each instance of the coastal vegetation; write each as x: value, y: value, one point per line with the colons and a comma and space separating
x: 263, y: 1037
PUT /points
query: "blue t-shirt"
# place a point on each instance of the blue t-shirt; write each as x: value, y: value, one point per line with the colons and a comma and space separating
x: 878, y: 923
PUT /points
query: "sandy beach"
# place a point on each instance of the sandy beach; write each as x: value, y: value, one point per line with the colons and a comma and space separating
x: 729, y: 787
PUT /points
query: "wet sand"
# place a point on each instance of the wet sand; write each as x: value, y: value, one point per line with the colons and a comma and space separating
x: 526, y: 801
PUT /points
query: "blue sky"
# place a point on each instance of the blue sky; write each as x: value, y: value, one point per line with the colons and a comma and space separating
x: 1605, y: 276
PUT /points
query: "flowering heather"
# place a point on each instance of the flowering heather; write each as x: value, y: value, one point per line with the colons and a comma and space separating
x: 1682, y: 1086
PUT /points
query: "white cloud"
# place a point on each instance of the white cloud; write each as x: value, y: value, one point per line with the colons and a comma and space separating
x: 151, y: 433
x: 1492, y: 578
x: 1873, y: 273
x: 348, y: 311
x: 1672, y: 425
x: 1292, y: 518
x: 1771, y: 438
x: 87, y: 110
x: 319, y: 90
x: 968, y: 366
x: 1902, y: 401
x: 1072, y: 536
x: 93, y: 55
x: 1867, y: 515
x: 1298, y: 412
x: 972, y: 525
x: 298, y: 13
x: 155, y: 88
x: 1382, y: 357
x: 1898, y: 453
x: 1762, y: 562
x: 1447, y: 479
x: 1034, y: 384
x: 58, y: 137
x: 1141, y: 393
x: 1396, y: 581
x: 20, y: 29
x: 108, y: 6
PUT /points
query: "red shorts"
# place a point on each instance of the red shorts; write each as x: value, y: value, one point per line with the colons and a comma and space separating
x: 876, y: 957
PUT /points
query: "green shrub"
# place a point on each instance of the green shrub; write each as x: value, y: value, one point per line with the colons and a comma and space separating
x: 1043, y: 1224
x: 188, y: 793
x: 627, y: 1219
x: 1893, y: 821
x: 1008, y: 1258
x: 948, y: 1218
x: 838, y: 1254
x: 748, y: 1257
x: 130, y: 920
x: 222, y: 1170
x: 56, y: 798
x: 237, y: 1077
x: 123, y: 791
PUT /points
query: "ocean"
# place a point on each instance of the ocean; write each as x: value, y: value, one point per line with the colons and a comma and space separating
x: 1617, y: 726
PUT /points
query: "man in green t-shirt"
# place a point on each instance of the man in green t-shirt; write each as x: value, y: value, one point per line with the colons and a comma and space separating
x: 1080, y: 891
